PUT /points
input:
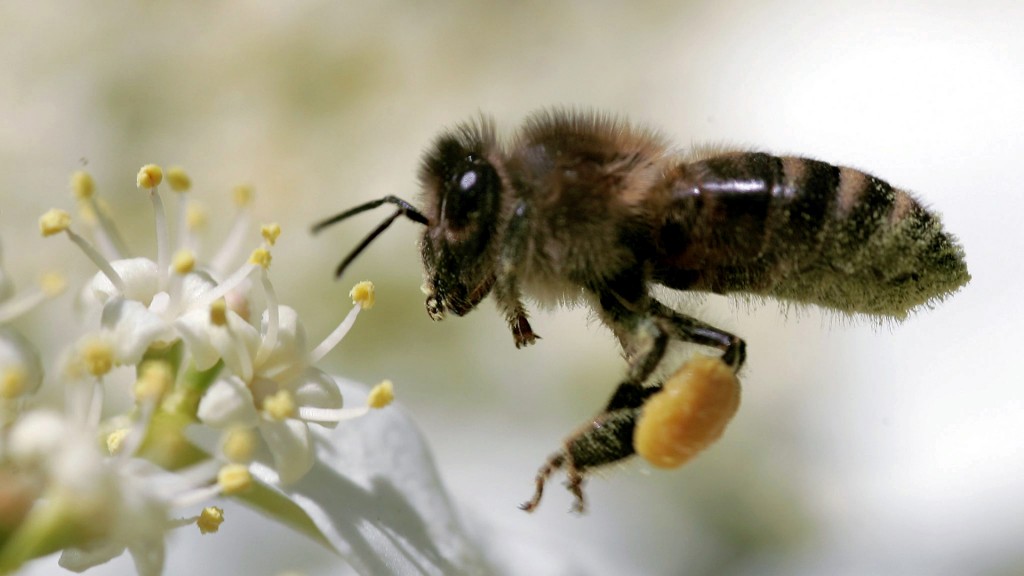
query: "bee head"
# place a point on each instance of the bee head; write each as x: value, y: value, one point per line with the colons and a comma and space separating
x: 462, y: 203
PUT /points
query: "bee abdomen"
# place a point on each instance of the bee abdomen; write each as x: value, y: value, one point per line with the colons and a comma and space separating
x: 805, y: 231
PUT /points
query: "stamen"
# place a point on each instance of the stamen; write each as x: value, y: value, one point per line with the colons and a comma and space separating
x: 149, y: 177
x: 269, y: 342
x: 106, y: 235
x: 363, y: 294
x: 163, y: 242
x: 12, y: 382
x: 98, y: 356
x: 381, y: 395
x: 234, y: 479
x: 56, y: 221
x: 238, y: 445
x: 335, y: 337
x: 210, y: 520
x: 330, y: 415
x: 280, y: 406
x: 180, y: 182
x: 50, y: 285
x: 239, y: 229
x: 230, y: 283
x: 270, y: 233
x: 115, y: 441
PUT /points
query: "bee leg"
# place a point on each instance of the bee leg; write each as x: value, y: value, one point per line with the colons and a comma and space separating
x: 554, y: 463
x: 605, y: 439
x: 689, y: 329
x: 506, y: 287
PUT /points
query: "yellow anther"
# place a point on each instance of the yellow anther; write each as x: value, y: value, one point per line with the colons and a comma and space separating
x: 183, y: 262
x: 82, y: 185
x: 115, y: 440
x: 260, y: 257
x: 195, y: 216
x: 270, y: 232
x: 381, y: 395
x: 242, y: 195
x: 54, y: 221
x: 210, y: 519
x: 98, y: 356
x: 219, y: 312
x: 280, y: 406
x: 363, y: 294
x: 239, y: 445
x: 234, y: 479
x: 149, y: 176
x: 178, y: 179
x: 155, y: 380
x: 52, y: 283
x: 12, y: 382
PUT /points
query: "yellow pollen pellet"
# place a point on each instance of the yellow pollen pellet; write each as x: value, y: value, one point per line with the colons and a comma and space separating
x: 98, y: 357
x: 689, y: 413
x: 280, y: 406
x: 82, y: 185
x: 260, y: 257
x: 184, y: 261
x: 239, y: 445
x: 54, y: 221
x: 270, y: 232
x: 363, y: 294
x: 219, y: 312
x: 381, y: 395
x: 242, y: 195
x: 115, y: 440
x: 12, y: 382
x: 178, y: 179
x: 210, y: 519
x: 234, y: 479
x: 149, y: 176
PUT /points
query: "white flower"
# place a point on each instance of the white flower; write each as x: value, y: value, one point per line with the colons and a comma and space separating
x: 280, y: 384
x: 114, y: 497
x: 21, y: 371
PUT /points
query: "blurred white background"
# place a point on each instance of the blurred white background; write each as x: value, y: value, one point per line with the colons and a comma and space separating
x: 857, y: 450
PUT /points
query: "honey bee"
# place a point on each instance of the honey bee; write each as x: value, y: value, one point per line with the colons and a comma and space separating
x: 583, y: 206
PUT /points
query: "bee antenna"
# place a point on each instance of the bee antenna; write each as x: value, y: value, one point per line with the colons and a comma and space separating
x: 404, y: 209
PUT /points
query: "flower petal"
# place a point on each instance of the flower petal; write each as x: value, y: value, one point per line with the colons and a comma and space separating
x: 228, y: 402
x: 236, y: 344
x: 378, y: 499
x: 317, y: 389
x: 17, y: 355
x: 289, y: 357
x: 291, y: 445
x: 140, y: 277
x: 135, y: 328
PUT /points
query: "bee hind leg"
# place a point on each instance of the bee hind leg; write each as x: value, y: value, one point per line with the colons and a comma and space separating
x: 688, y: 329
x: 606, y: 439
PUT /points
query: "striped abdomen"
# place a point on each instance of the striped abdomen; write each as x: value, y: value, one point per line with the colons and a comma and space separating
x: 803, y: 230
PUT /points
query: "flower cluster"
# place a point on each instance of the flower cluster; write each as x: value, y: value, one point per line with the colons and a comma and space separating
x: 223, y: 388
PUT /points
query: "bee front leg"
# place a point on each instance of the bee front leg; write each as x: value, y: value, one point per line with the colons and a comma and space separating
x: 506, y: 287
x: 507, y: 295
